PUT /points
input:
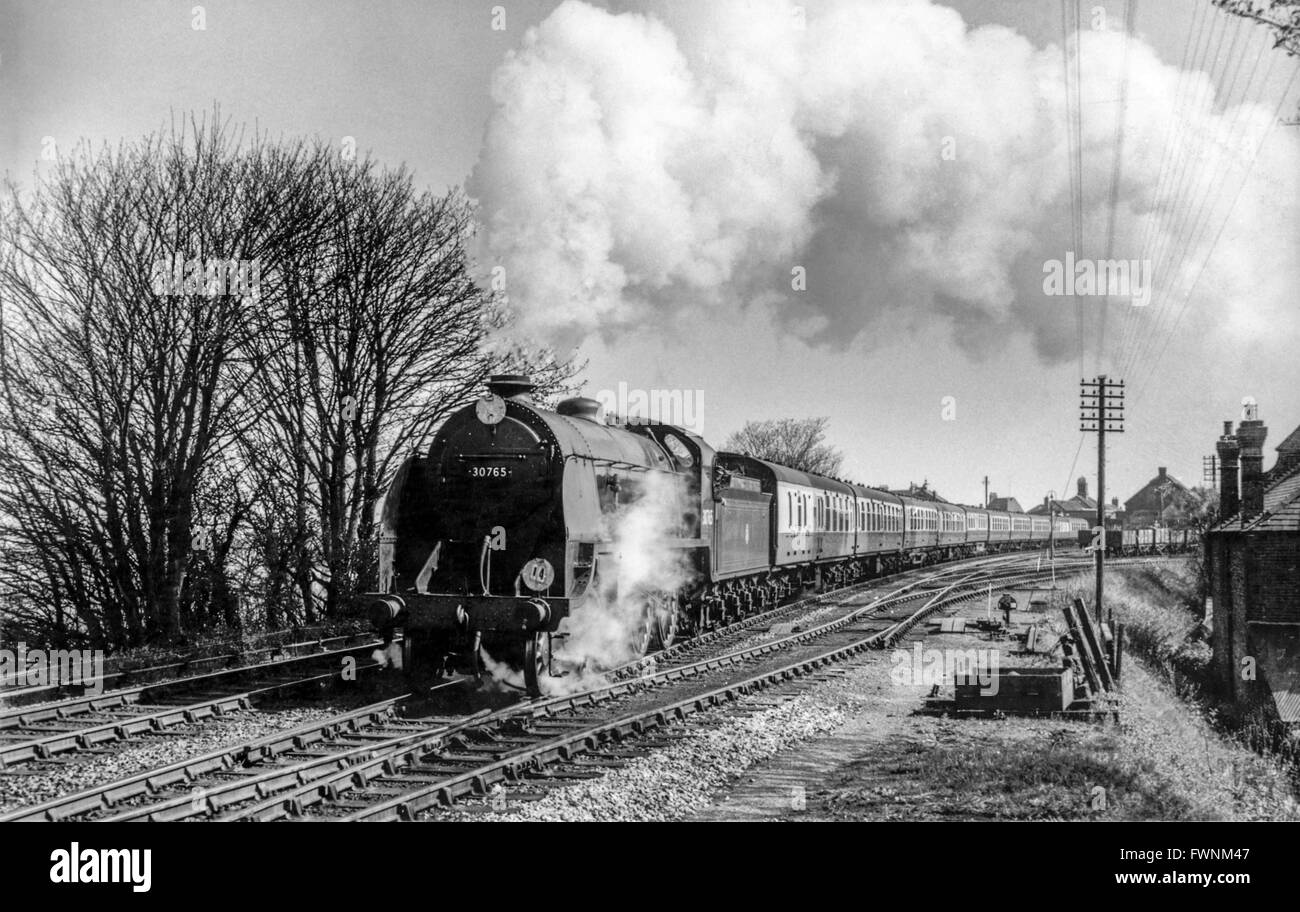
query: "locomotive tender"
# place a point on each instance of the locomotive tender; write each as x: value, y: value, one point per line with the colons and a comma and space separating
x: 510, y: 526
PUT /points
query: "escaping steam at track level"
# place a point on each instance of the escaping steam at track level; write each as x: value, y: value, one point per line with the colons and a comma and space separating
x: 612, y: 628
x: 617, y: 620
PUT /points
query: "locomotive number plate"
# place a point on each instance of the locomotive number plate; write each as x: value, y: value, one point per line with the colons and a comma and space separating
x: 482, y: 471
x: 538, y: 574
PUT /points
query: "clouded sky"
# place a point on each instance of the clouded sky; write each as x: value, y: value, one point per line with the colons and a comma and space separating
x: 652, y: 174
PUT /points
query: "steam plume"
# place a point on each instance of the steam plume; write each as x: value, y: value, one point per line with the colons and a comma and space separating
x: 638, y: 164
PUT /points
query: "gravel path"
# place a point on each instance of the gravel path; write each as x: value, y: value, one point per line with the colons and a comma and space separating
x: 677, y: 781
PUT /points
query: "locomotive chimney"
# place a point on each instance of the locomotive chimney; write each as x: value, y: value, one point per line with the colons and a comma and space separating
x: 1251, y: 432
x: 511, y: 386
x: 1228, y: 449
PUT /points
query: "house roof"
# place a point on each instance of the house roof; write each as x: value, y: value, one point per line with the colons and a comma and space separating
x: 1075, y: 505
x: 921, y: 491
x: 1149, y: 489
x: 1280, y: 473
x: 1292, y: 442
x: 1281, y: 506
x: 1005, y: 505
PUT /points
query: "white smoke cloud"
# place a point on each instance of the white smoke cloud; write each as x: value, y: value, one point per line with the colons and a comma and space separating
x: 638, y: 164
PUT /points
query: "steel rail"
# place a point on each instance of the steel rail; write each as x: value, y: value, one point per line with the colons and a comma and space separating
x: 160, y: 720
x: 333, y: 787
x: 22, y: 717
x: 15, y: 690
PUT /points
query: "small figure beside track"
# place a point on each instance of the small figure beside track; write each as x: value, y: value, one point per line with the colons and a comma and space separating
x: 1005, y: 605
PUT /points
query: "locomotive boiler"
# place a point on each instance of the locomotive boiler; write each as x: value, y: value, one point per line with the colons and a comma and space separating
x: 494, y: 539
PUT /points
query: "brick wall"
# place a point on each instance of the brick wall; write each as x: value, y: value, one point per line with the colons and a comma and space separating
x: 1254, y: 577
x: 1276, y: 560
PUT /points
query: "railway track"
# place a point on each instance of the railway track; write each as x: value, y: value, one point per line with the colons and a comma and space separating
x: 89, y: 721
x: 321, y: 768
x: 560, y: 751
x: 259, y: 769
x: 745, y: 627
x: 16, y: 690
x: 520, y: 743
x: 201, y: 785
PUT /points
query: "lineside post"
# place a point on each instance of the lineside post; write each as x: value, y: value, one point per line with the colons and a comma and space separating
x: 1101, y: 410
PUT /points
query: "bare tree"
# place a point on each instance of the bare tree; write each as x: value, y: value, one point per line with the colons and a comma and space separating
x: 1281, y: 16
x: 381, y: 332
x: 795, y: 442
x: 120, y: 382
x: 213, y: 355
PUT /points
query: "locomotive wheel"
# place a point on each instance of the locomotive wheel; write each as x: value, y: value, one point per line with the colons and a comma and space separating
x: 658, y: 624
x: 537, y: 662
x: 666, y: 622
x: 642, y: 638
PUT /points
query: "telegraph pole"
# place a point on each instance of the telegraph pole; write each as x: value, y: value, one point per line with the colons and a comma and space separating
x: 1210, y: 471
x: 1101, y: 410
x: 1051, y: 533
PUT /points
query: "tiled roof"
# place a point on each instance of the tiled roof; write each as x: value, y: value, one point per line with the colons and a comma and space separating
x: 1292, y: 442
x: 1281, y: 506
x: 1283, y: 488
x: 1283, y: 517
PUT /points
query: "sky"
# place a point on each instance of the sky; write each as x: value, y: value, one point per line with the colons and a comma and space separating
x: 650, y: 174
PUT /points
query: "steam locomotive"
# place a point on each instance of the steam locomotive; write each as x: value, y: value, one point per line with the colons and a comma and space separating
x: 519, y: 520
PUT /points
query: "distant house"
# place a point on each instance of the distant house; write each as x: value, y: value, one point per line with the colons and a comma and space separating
x: 1081, y: 506
x: 1156, y: 502
x: 921, y: 491
x: 1253, y: 560
x: 1006, y: 504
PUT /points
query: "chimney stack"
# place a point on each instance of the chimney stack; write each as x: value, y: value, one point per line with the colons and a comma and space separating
x: 1250, y: 434
x: 1228, y: 449
x: 511, y: 386
x: 1164, y: 471
x: 1083, y: 488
